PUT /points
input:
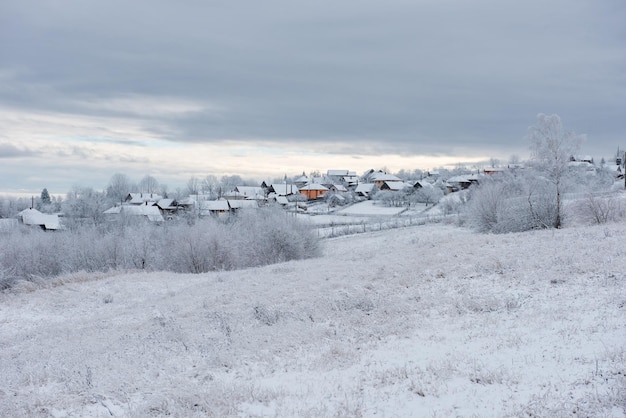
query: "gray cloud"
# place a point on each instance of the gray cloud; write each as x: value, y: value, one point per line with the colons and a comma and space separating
x: 415, y: 76
x: 11, y: 151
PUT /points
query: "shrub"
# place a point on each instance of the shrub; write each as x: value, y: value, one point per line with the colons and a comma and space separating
x: 251, y: 239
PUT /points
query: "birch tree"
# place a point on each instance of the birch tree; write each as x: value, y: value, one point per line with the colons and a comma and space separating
x: 551, y: 147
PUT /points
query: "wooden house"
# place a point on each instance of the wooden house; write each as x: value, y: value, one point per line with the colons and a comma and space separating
x: 313, y: 191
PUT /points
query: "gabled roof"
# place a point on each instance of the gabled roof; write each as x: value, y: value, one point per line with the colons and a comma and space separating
x: 34, y: 217
x: 139, y: 198
x: 214, y: 205
x: 314, y: 186
x: 364, y: 188
x: 338, y: 173
x: 282, y: 200
x: 384, y: 177
x: 252, y: 192
x: 149, y: 211
x: 352, y: 178
x: 243, y: 204
x: 459, y: 179
x: 167, y: 204
x: 395, y: 185
x: 339, y: 187
x: 283, y: 189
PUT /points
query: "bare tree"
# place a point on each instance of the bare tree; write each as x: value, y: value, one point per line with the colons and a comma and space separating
x: 514, y: 159
x: 119, y: 186
x: 551, y: 149
x: 210, y: 185
x: 494, y: 162
x: 193, y: 185
x: 149, y: 184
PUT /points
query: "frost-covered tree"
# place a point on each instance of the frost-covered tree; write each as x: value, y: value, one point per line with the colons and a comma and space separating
x: 119, y: 186
x: 149, y: 184
x: 228, y: 183
x: 427, y: 194
x: 551, y: 147
x: 45, y: 197
x: 193, y: 185
x: 210, y: 185
x: 84, y: 205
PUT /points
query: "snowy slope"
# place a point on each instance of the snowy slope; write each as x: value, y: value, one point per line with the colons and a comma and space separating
x: 425, y: 321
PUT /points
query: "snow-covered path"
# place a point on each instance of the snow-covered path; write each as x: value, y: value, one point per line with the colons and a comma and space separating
x: 422, y: 321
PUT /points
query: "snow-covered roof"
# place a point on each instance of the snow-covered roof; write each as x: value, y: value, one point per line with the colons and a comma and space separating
x: 283, y: 189
x: 149, y: 211
x: 422, y: 183
x: 339, y: 187
x: 314, y: 186
x: 214, y: 205
x: 169, y: 204
x: 396, y: 185
x: 282, y: 200
x: 139, y: 198
x: 459, y: 179
x: 34, y: 217
x: 338, y: 173
x: 243, y: 204
x: 384, y: 177
x: 364, y: 188
x: 252, y: 192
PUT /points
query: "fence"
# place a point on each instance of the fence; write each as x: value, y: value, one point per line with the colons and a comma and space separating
x: 336, y: 230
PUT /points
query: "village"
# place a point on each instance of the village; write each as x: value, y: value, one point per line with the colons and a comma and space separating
x: 334, y: 190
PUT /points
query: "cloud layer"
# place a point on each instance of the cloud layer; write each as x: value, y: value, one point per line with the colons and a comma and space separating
x: 136, y: 85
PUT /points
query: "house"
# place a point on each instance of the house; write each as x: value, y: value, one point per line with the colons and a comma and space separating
x: 282, y: 200
x: 364, y: 189
x: 313, y: 191
x: 141, y: 198
x: 283, y: 189
x: 246, y: 192
x: 238, y: 204
x: 337, y: 188
x: 337, y: 173
x: 146, y: 211
x: 351, y: 181
x: 168, y: 207
x: 394, y: 186
x: 456, y: 183
x: 47, y: 222
x: 380, y: 178
x: 493, y: 170
x: 346, y: 177
x: 302, y: 181
x: 218, y: 207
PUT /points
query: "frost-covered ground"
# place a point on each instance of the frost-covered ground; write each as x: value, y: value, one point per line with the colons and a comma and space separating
x: 429, y: 321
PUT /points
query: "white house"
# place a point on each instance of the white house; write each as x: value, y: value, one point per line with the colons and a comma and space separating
x: 46, y: 221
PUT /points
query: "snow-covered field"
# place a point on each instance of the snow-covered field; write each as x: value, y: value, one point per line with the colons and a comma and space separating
x: 428, y: 321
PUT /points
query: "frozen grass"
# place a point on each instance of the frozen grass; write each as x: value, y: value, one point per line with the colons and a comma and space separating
x: 428, y: 321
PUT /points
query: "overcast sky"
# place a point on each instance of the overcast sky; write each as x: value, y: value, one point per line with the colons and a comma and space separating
x: 274, y: 87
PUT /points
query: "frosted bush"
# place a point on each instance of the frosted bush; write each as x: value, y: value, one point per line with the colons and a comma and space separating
x: 250, y: 239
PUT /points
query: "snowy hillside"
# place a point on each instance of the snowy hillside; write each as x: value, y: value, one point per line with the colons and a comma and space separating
x: 429, y: 321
